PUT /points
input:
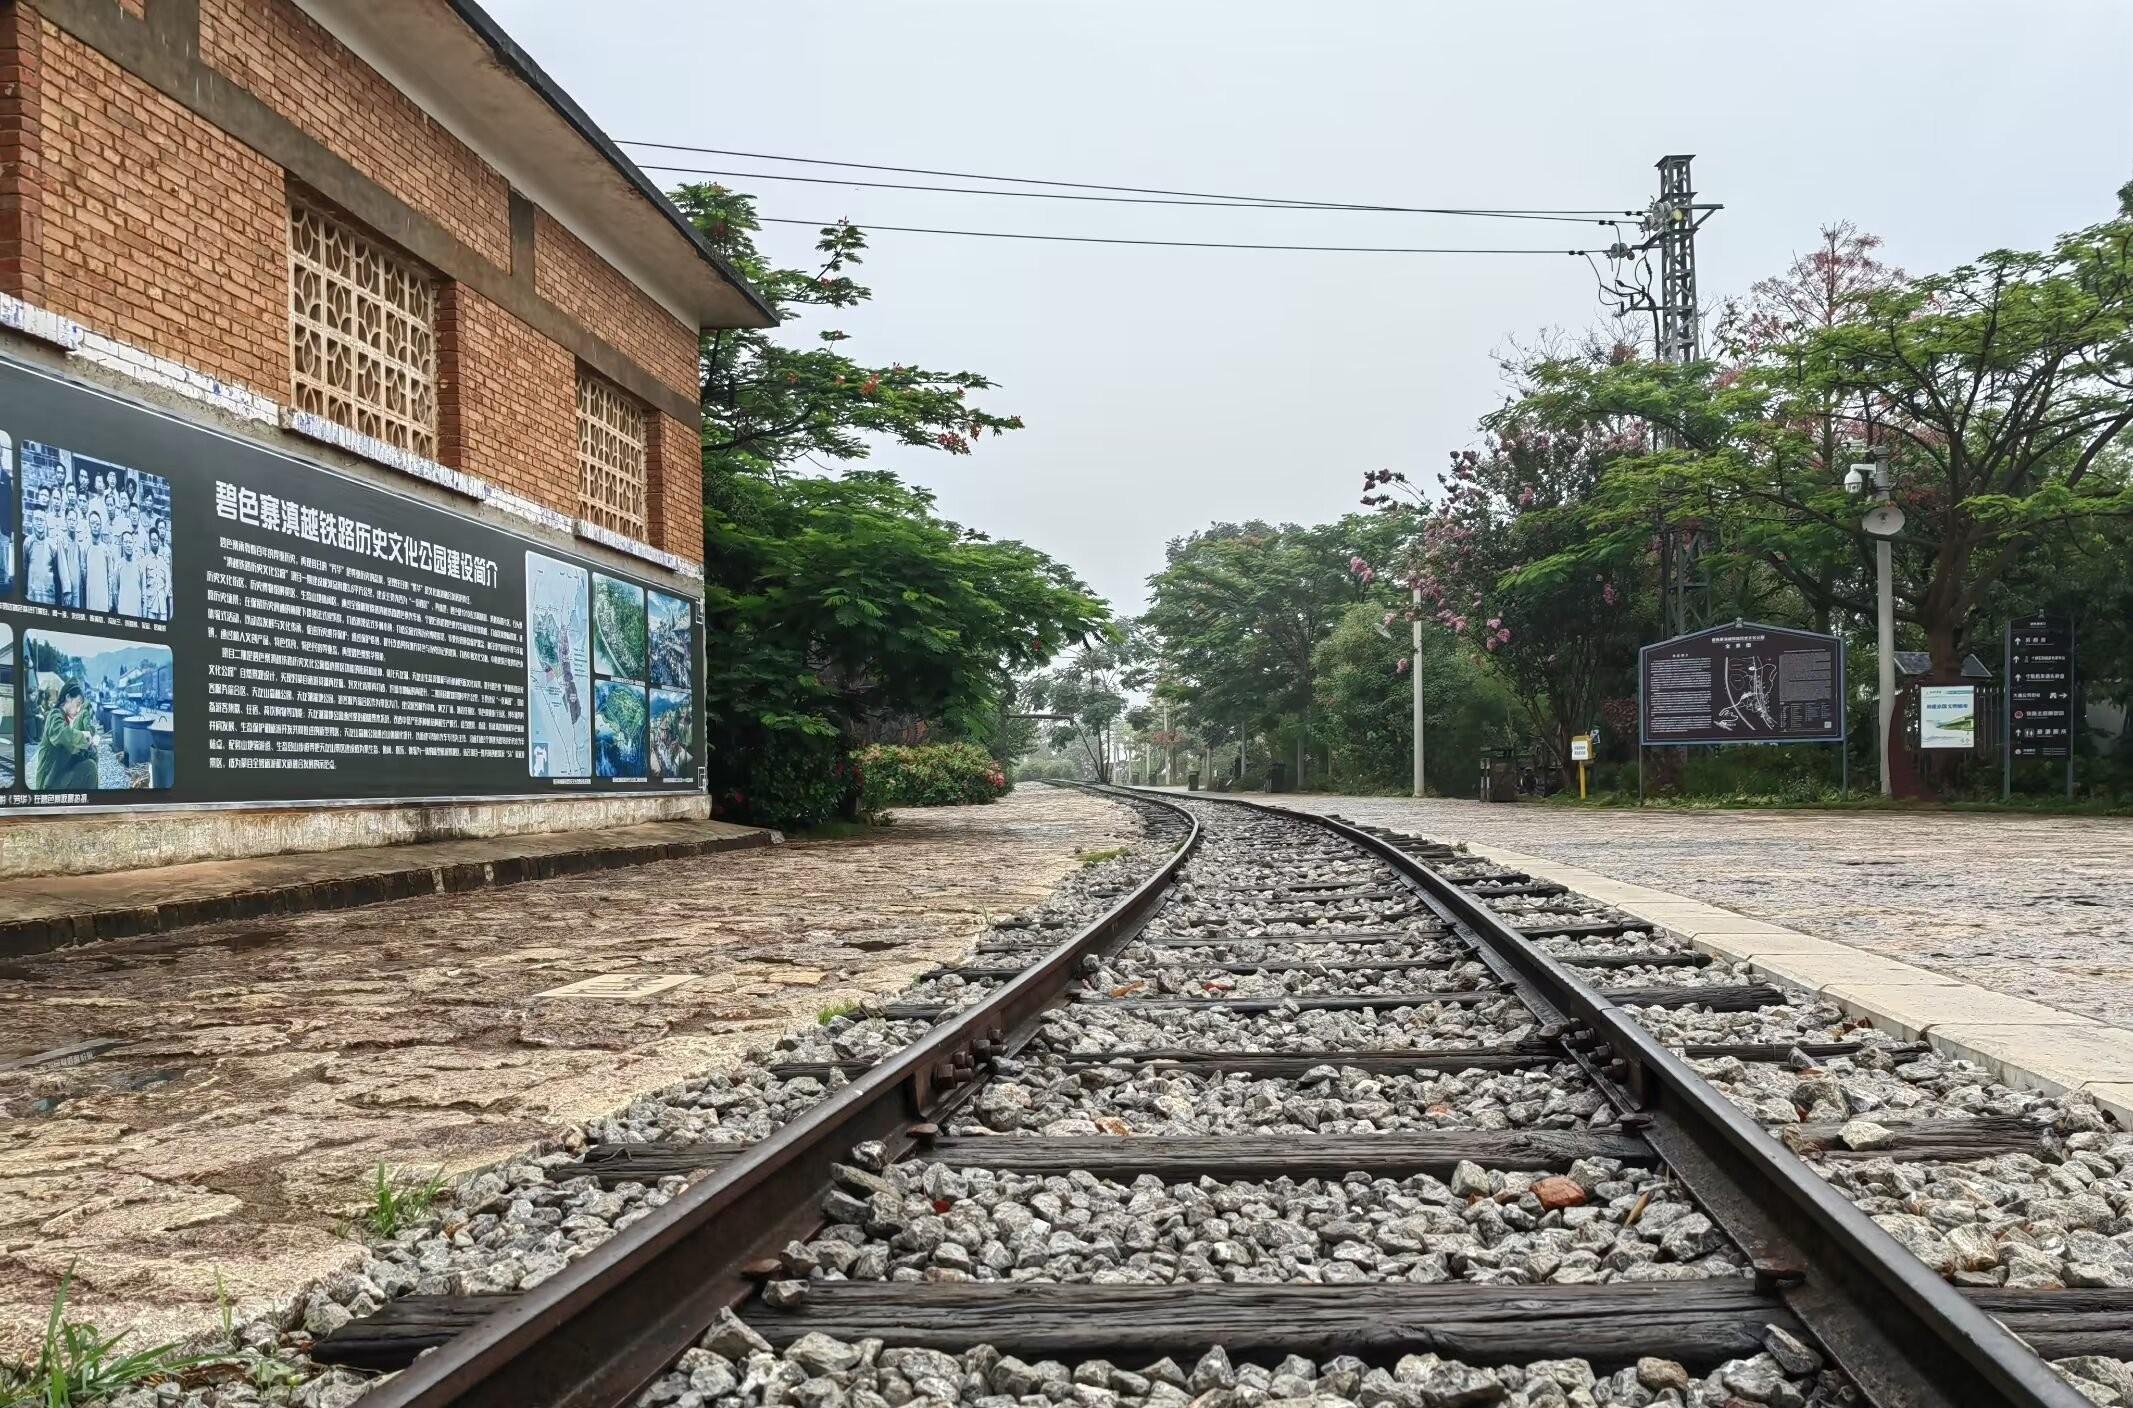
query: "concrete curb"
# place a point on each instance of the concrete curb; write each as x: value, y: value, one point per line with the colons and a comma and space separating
x: 370, y: 880
x: 2024, y: 1044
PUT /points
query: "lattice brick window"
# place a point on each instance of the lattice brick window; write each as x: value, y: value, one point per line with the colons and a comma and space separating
x: 611, y: 456
x: 363, y: 327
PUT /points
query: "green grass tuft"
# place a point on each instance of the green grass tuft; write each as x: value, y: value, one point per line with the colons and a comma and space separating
x: 80, y: 1364
x: 395, y: 1200
x: 1089, y: 858
x: 835, y: 1010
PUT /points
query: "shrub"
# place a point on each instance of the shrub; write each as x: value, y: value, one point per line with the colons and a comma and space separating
x: 783, y: 778
x: 931, y: 775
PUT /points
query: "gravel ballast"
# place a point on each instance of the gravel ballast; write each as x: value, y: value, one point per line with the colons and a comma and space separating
x: 1600, y: 1222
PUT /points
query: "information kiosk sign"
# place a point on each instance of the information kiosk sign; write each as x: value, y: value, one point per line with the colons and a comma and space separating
x: 2042, y: 685
x: 1743, y: 683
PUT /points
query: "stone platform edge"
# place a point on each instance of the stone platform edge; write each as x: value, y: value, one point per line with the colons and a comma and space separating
x: 519, y: 860
x: 2024, y: 1044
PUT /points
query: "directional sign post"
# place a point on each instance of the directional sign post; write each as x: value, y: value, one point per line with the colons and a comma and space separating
x: 2041, y: 689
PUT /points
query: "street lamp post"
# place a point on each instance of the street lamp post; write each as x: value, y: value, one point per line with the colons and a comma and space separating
x: 1884, y: 520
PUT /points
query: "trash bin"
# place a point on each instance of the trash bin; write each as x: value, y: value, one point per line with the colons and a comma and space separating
x: 1192, y: 780
x: 1499, y: 777
x: 1277, y: 777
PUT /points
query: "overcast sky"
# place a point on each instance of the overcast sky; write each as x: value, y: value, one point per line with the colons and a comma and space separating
x: 1165, y: 388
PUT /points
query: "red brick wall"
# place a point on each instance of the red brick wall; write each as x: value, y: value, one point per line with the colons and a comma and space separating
x: 21, y: 153
x: 582, y: 284
x: 305, y: 74
x: 156, y: 228
x: 122, y: 210
x: 508, y: 401
x: 676, y: 498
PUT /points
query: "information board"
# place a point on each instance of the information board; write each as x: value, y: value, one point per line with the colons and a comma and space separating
x: 187, y: 618
x: 1947, y: 716
x: 1743, y: 683
x: 2040, y: 687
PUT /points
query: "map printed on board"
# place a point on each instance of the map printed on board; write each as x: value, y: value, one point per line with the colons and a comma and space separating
x: 1743, y: 683
x: 558, y: 670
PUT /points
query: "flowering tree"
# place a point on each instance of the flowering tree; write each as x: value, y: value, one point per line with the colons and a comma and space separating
x: 1487, y: 556
x: 2001, y: 392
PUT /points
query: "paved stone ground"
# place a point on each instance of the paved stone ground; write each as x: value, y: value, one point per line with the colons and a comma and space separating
x: 269, y: 1066
x: 2036, y: 906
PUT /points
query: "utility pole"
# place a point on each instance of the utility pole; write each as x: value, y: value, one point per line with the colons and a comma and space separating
x: 1671, y: 224
x: 1416, y: 670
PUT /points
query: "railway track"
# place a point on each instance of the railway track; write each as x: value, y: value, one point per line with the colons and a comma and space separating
x: 1312, y: 1111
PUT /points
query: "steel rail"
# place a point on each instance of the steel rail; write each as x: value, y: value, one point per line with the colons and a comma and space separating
x: 1903, y: 1335
x: 604, y: 1328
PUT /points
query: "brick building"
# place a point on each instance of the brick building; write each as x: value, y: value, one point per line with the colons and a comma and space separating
x: 371, y: 235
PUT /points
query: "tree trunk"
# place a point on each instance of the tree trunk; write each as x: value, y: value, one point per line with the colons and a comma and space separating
x: 1943, y: 645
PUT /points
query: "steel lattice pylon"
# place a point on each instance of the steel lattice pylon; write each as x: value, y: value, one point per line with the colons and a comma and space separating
x: 1670, y: 223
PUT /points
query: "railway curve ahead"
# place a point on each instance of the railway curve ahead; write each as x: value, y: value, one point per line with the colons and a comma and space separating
x: 1302, y: 1116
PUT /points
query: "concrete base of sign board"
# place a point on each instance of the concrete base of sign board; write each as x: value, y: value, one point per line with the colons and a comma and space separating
x: 38, y: 914
x: 91, y: 843
x: 2023, y: 1043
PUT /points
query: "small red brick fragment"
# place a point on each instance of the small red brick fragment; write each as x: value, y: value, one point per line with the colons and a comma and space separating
x: 1559, y: 1193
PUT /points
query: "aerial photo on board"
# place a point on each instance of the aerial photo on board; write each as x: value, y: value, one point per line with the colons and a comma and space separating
x: 670, y: 618
x: 618, y: 628
x: 619, y: 729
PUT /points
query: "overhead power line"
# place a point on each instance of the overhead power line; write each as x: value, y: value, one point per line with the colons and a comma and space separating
x: 1196, y: 196
x: 870, y: 227
x: 1208, y: 204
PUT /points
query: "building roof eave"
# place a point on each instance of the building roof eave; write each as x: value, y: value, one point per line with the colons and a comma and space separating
x: 514, y: 57
x: 473, y: 80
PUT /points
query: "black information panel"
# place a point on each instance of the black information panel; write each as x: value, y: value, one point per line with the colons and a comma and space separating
x: 186, y: 618
x: 1742, y: 683
x: 2040, y: 687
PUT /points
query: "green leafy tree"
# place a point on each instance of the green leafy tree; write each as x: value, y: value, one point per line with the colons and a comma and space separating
x: 1499, y: 559
x: 1999, y: 392
x: 1092, y: 691
x: 1239, y: 612
x: 840, y: 599
x: 1365, y: 701
x: 771, y: 401
x: 835, y: 602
